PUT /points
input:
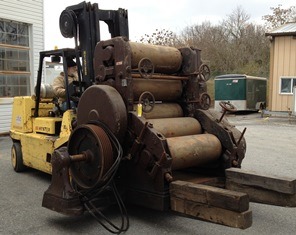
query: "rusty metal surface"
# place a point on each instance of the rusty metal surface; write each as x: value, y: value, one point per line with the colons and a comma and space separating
x: 111, y: 59
x: 146, y: 102
x: 165, y: 110
x: 116, y: 63
x: 171, y: 127
x: 150, y: 160
x: 92, y: 157
x: 164, y: 90
x: 191, y: 60
x: 205, y: 101
x: 113, y: 67
x: 164, y: 134
x: 93, y: 141
x: 60, y: 196
x: 165, y: 59
x: 194, y: 150
x: 230, y: 137
x: 103, y: 103
x: 161, y: 76
x: 146, y: 68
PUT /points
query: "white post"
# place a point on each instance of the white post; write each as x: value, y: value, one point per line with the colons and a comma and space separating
x: 294, y: 101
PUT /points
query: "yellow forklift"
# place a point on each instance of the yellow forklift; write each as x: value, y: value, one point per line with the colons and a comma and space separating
x: 36, y: 131
x: 38, y: 125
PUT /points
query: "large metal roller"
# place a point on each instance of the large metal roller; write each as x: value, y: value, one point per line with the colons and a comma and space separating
x: 165, y: 90
x: 194, y: 150
x: 165, y: 59
x: 172, y: 127
x: 164, y: 110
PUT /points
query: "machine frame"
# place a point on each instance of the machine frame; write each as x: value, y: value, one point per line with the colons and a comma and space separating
x: 144, y: 135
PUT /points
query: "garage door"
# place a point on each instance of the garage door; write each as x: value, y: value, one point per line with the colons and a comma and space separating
x: 5, y: 114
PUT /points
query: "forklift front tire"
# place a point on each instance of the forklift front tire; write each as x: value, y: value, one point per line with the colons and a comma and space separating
x: 17, y: 157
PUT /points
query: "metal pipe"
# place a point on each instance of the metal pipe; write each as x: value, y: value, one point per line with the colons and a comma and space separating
x: 161, y: 76
x: 241, y: 137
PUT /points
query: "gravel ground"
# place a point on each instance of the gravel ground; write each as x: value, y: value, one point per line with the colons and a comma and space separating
x: 271, y: 143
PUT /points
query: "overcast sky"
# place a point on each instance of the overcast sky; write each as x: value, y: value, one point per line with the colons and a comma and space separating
x: 148, y: 15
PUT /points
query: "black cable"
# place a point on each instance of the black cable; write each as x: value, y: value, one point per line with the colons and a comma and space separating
x: 104, y: 221
x: 89, y: 196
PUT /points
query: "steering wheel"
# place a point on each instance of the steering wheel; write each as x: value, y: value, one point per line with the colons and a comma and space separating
x: 147, y: 100
x: 146, y: 68
x: 204, y: 72
x: 205, y: 101
x: 227, y: 106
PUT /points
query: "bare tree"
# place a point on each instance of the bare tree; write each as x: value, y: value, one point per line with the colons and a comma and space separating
x: 211, y: 39
x: 235, y: 23
x: 233, y: 46
x: 248, y: 46
x: 280, y: 16
x: 162, y: 37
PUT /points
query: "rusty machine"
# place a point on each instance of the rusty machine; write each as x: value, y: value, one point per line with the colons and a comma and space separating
x: 142, y: 123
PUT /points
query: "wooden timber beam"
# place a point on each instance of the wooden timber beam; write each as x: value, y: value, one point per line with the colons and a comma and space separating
x: 272, y: 190
x: 211, y: 204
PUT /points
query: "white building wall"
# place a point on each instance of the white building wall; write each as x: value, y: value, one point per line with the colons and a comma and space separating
x: 30, y: 12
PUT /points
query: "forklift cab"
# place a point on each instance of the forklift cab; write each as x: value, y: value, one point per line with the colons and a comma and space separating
x: 35, y: 131
x: 73, y: 90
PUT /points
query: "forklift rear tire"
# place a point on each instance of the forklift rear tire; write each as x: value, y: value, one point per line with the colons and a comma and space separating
x: 17, y: 157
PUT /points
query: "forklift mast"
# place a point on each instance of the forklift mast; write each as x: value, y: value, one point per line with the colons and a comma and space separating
x: 82, y: 21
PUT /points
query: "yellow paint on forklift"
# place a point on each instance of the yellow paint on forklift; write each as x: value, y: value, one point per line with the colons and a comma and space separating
x: 68, y: 117
x: 66, y: 129
x: 39, y: 136
x: 23, y: 110
x: 37, y: 150
x: 47, y: 125
x: 21, y: 114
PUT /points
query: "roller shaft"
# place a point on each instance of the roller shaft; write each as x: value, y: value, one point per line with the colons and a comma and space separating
x: 172, y: 127
x: 194, y: 150
x: 165, y: 59
x: 164, y: 110
x: 165, y: 90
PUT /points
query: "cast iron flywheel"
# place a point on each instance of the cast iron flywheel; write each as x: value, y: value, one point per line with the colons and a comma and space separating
x: 104, y: 104
x: 93, y: 141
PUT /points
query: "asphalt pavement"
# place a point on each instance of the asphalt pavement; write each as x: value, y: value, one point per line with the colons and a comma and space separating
x: 271, y: 149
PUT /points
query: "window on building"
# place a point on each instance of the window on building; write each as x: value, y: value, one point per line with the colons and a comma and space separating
x: 14, y: 59
x: 287, y: 84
